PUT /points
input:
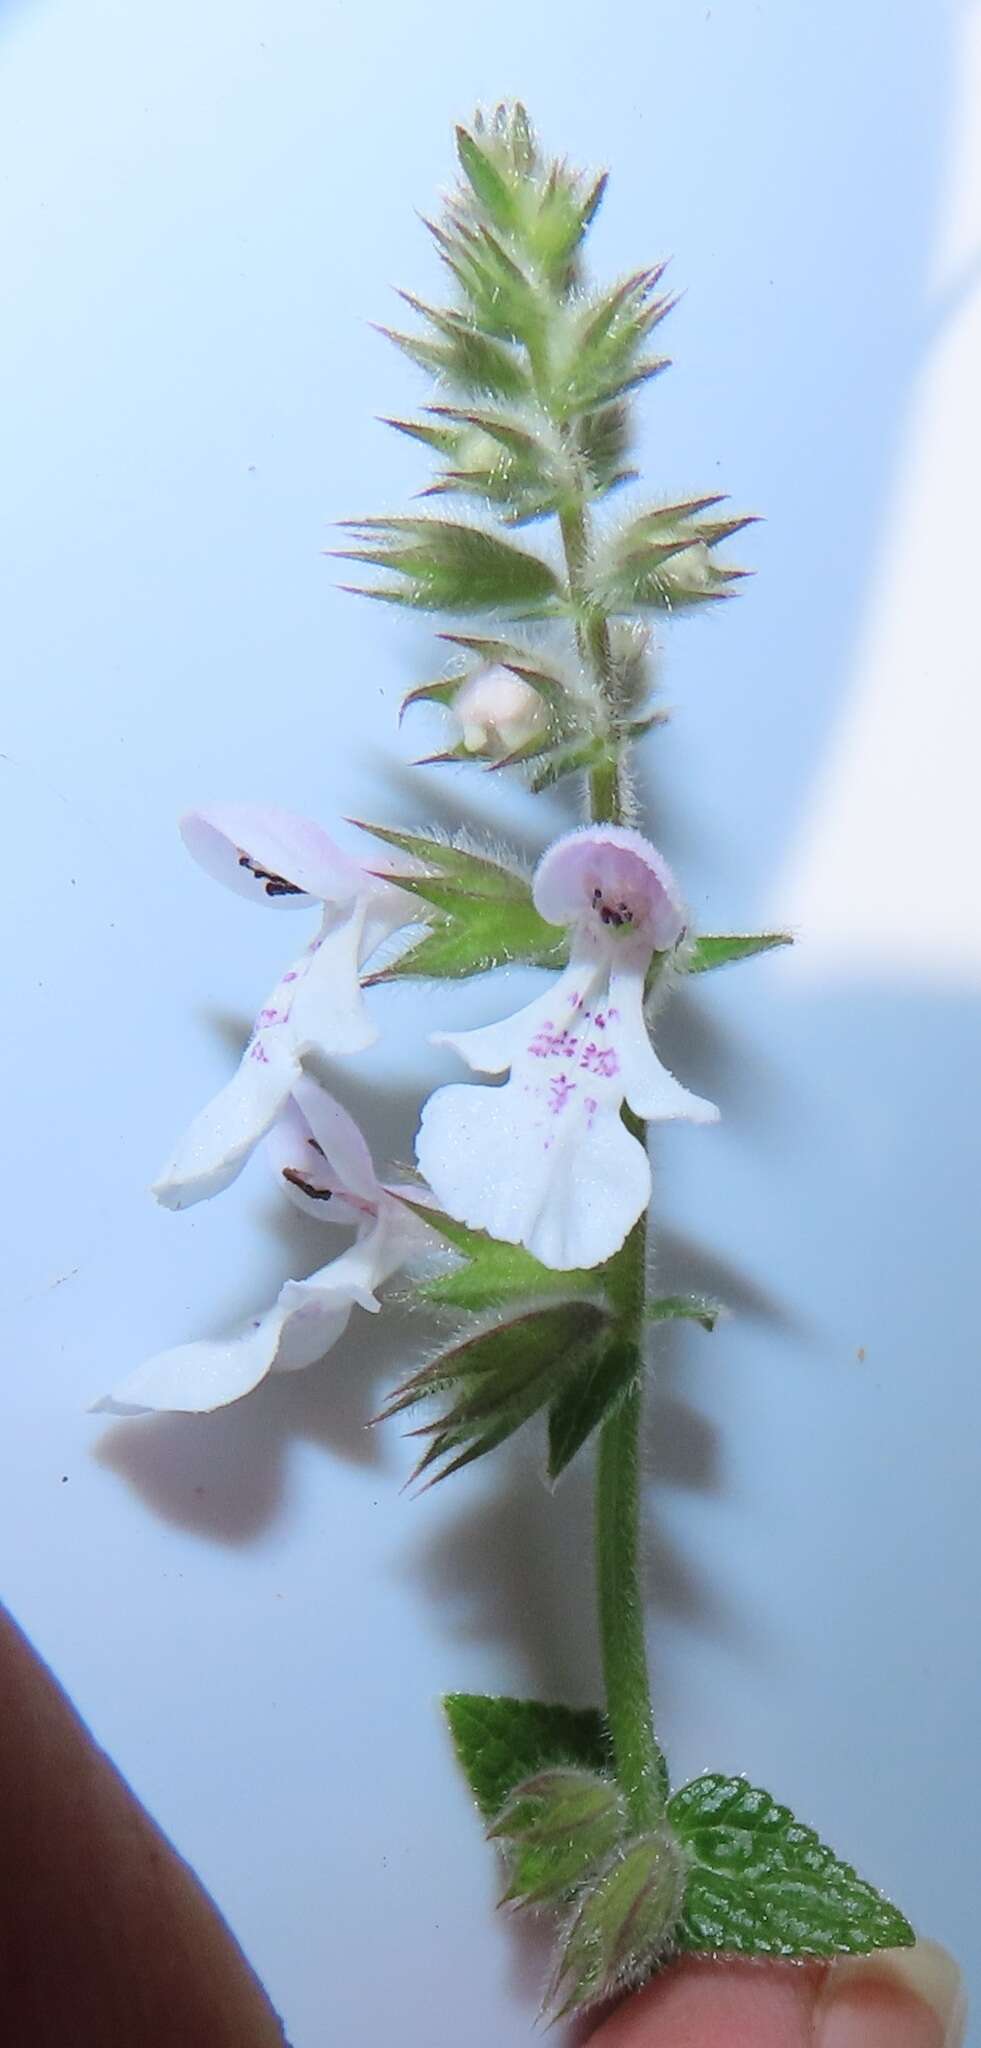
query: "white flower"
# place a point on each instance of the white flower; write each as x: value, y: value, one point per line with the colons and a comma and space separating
x: 321, y: 1161
x: 498, y: 712
x: 546, y: 1161
x: 274, y: 857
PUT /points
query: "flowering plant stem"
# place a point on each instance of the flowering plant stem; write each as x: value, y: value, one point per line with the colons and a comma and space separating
x: 539, y: 1188
x: 618, y: 1575
x: 619, y: 1586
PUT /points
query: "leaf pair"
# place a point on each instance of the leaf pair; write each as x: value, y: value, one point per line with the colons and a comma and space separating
x: 574, y: 1358
x: 604, y: 356
x: 727, y: 1871
x: 663, y: 561
x: 481, y: 915
x: 541, y: 213
x: 494, y: 1382
x: 508, y: 458
x: 480, y: 910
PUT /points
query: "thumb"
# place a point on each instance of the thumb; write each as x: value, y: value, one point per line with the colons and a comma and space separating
x: 906, y: 1998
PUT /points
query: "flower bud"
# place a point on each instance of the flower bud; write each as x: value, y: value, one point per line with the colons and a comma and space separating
x: 498, y: 712
x: 623, y: 1922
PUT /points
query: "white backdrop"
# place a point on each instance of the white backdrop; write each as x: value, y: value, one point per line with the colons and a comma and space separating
x: 202, y: 209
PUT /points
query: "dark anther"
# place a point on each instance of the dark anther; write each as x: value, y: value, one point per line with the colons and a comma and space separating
x: 274, y: 884
x: 306, y: 1187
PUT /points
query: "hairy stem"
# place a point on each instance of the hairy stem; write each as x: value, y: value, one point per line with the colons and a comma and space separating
x: 593, y: 638
x: 619, y: 1590
x: 618, y: 1575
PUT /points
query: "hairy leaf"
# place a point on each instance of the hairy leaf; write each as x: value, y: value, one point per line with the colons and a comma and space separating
x: 762, y: 1884
x: 485, y: 914
x: 478, y: 874
x: 718, y: 950
x: 499, y: 1741
x: 494, y: 1382
x: 477, y: 937
x: 497, y: 1274
x: 463, y: 357
x: 494, y: 193
x: 453, y: 567
x: 663, y: 559
x: 586, y: 1399
x: 696, y: 1308
x: 604, y: 359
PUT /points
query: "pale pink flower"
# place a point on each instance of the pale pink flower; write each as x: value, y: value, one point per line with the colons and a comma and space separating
x: 318, y: 1006
x: 322, y: 1162
x: 547, y: 1161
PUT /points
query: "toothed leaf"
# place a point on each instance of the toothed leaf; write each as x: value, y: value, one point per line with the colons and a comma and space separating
x: 761, y: 1884
x: 500, y: 1741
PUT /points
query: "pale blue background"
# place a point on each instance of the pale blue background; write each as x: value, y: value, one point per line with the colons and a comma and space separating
x: 202, y: 207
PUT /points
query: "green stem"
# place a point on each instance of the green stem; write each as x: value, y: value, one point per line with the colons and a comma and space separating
x: 593, y: 637
x: 618, y: 1577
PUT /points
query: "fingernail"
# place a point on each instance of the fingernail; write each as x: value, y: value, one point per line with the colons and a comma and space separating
x: 906, y: 1998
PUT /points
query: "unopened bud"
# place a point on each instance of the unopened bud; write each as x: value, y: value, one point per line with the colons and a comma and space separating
x: 498, y: 712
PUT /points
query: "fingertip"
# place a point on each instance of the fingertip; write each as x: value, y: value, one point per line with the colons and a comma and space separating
x: 724, y: 2004
x: 912, y: 1998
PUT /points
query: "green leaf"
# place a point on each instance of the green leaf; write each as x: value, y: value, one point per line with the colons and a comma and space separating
x: 565, y: 211
x: 476, y: 938
x: 623, y: 1925
x: 604, y: 359
x: 763, y: 1885
x: 453, y: 567
x: 441, y: 692
x: 718, y: 951
x: 503, y: 299
x: 572, y: 757
x: 496, y: 1274
x: 500, y: 1741
x: 442, y: 439
x: 512, y: 433
x: 663, y: 559
x: 486, y: 182
x: 478, y: 874
x: 662, y: 576
x: 504, y: 456
x: 556, y: 1828
x: 464, y: 357
x: 486, y: 917
x: 494, y: 1382
x: 696, y: 1308
x: 604, y: 443
x: 586, y: 1400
